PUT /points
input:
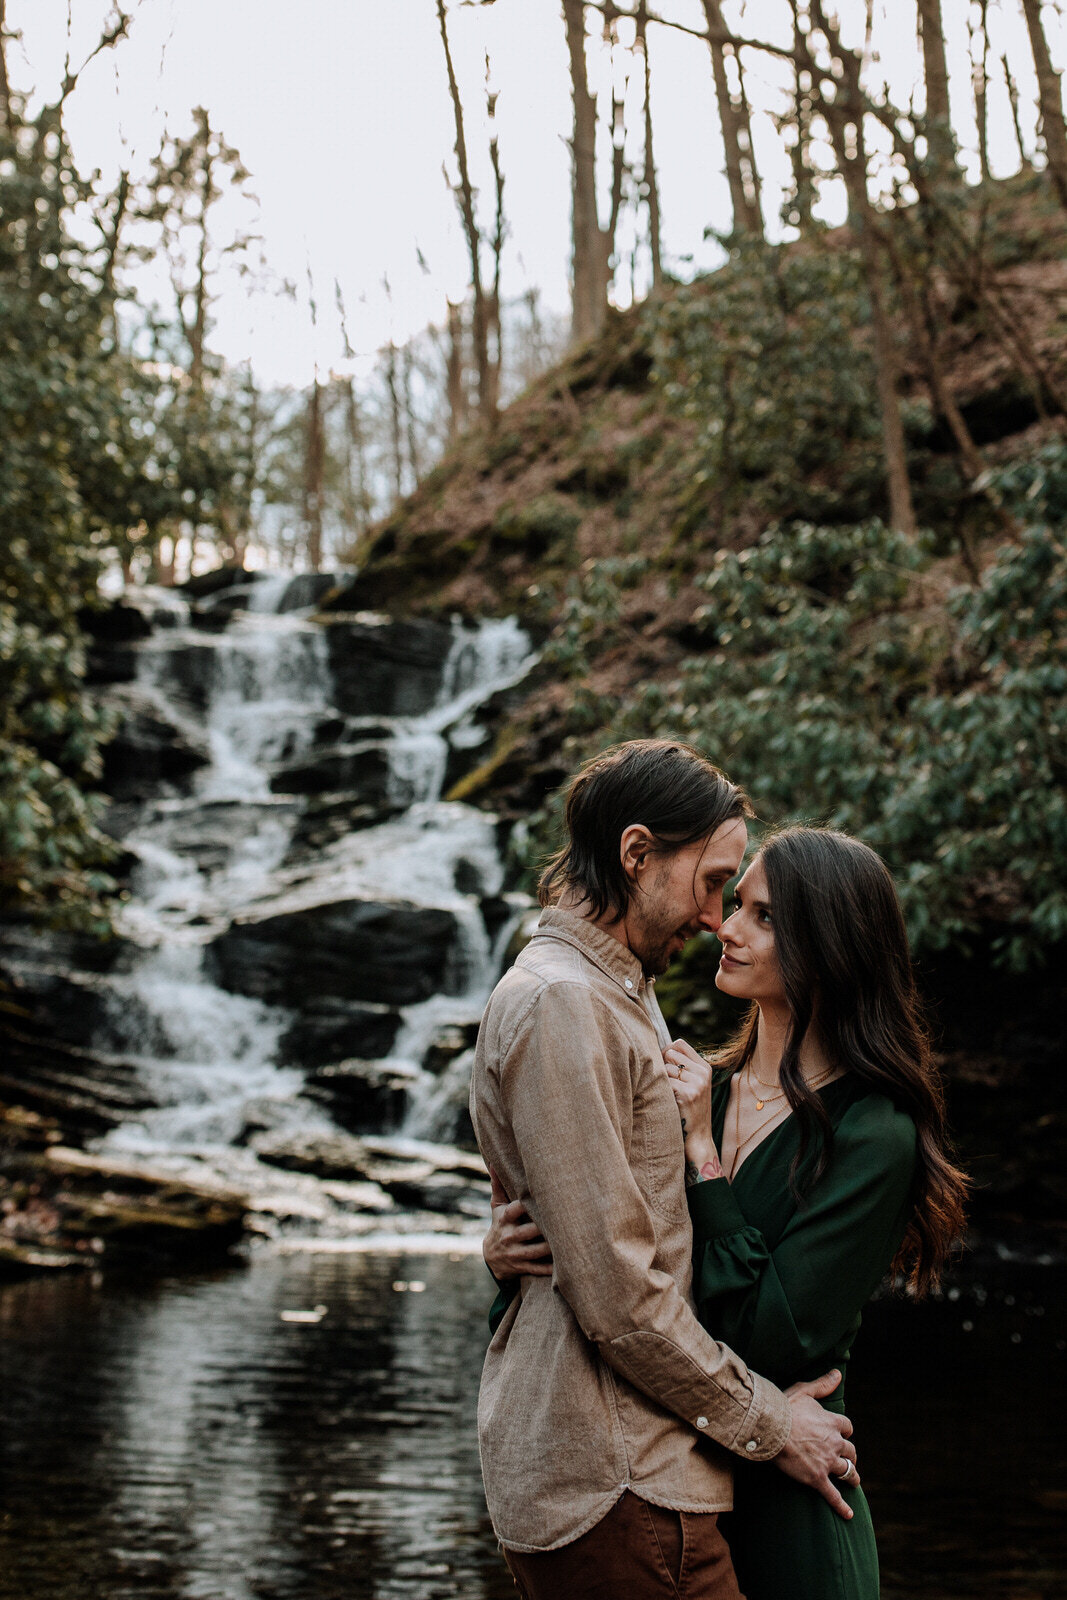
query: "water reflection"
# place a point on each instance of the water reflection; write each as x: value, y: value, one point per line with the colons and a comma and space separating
x: 182, y: 1439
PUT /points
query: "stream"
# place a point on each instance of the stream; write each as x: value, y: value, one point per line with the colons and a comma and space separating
x: 309, y: 938
x: 304, y: 1429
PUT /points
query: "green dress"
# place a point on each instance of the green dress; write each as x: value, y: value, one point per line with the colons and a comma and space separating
x: 783, y: 1285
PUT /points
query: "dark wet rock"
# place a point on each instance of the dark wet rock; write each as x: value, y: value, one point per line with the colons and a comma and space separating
x: 219, y: 578
x: 48, y: 1018
x: 390, y: 951
x: 362, y: 1096
x: 213, y: 614
x: 203, y: 831
x: 360, y: 770
x: 448, y: 1043
x: 427, y: 1177
x: 329, y: 817
x: 188, y: 666
x: 329, y: 1029
x: 149, y: 753
x: 63, y: 1207
x: 307, y: 589
x: 385, y: 667
x: 112, y: 632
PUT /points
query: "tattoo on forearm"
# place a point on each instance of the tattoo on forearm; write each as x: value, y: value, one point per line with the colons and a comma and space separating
x: 694, y: 1174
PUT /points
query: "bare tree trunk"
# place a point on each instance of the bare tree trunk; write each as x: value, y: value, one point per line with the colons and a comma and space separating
x: 938, y: 125
x: 465, y: 199
x: 800, y: 214
x: 455, y: 374
x: 499, y: 234
x: 648, y: 174
x: 314, y: 477
x: 1013, y: 101
x: 979, y: 39
x: 410, y: 430
x: 395, y: 434
x: 741, y: 173
x: 5, y: 86
x: 1050, y: 98
x: 590, y: 271
x: 840, y: 113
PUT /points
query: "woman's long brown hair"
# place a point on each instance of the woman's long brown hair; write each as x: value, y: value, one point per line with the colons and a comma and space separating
x: 843, y: 954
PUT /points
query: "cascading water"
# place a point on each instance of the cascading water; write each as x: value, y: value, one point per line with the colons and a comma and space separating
x: 261, y: 700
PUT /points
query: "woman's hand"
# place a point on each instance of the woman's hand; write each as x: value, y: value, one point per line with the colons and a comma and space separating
x: 513, y: 1247
x: 690, y: 1077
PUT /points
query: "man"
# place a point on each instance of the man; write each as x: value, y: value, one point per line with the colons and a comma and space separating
x: 607, y: 1415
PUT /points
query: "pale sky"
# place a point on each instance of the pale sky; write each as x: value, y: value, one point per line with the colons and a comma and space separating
x: 340, y: 111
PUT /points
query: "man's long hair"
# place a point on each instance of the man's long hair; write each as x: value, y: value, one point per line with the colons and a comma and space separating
x: 667, y: 787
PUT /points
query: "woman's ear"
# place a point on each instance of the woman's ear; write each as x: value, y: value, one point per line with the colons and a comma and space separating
x: 635, y: 848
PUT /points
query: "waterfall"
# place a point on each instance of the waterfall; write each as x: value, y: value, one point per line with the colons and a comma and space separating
x: 294, y: 740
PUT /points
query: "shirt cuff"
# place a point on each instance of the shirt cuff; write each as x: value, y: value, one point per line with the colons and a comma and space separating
x: 713, y: 1209
x: 767, y: 1425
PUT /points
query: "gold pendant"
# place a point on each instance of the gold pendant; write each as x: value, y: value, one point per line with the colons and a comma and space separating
x: 759, y: 1105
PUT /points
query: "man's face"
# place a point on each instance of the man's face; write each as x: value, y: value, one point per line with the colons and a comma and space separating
x: 679, y: 894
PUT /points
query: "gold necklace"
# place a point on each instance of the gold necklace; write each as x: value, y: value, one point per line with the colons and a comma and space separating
x: 739, y: 1143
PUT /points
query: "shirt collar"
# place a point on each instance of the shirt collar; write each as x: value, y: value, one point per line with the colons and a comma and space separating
x: 602, y: 948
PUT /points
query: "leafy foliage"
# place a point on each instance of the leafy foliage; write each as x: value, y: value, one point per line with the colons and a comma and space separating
x: 69, y: 463
x: 848, y: 683
x: 770, y: 369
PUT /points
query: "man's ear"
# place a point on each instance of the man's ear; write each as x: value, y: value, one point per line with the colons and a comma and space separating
x: 635, y: 849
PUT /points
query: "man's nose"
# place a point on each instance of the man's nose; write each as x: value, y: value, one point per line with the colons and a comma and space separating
x: 711, y: 917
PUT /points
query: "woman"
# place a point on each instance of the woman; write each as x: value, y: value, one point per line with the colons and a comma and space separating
x: 815, y: 1161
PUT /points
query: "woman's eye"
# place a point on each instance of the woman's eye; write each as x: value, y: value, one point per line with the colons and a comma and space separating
x: 736, y: 902
x: 764, y: 915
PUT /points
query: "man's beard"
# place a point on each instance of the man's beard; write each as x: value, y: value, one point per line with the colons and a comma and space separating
x: 656, y: 940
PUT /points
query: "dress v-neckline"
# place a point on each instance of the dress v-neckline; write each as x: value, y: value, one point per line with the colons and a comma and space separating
x: 786, y: 1122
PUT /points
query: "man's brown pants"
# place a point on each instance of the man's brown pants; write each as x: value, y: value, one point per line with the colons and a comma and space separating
x: 637, y: 1552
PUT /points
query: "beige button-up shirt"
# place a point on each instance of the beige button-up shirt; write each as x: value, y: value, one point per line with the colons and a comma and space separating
x: 600, y: 1378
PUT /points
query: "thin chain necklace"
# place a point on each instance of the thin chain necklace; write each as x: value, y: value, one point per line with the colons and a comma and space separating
x: 741, y: 1144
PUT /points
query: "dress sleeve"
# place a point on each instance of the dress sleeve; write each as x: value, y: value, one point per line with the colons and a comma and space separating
x: 782, y: 1307
x: 507, y: 1289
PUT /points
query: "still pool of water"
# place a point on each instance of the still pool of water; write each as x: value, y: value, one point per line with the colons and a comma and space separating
x: 187, y: 1438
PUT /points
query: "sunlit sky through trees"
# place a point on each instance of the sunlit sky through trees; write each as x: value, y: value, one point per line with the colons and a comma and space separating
x: 340, y: 111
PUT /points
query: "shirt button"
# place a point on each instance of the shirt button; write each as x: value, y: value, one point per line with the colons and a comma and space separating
x: 751, y: 1445
x: 629, y: 982
x: 702, y: 1422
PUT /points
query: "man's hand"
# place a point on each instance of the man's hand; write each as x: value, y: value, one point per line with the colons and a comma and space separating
x: 513, y: 1247
x: 819, y: 1448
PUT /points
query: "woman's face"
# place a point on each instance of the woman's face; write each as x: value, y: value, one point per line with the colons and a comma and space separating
x: 748, y: 967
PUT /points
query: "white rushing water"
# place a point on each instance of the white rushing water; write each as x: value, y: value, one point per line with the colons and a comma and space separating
x: 252, y: 696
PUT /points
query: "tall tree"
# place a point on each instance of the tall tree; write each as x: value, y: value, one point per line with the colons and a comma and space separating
x: 1050, y: 98
x: 844, y: 113
x: 741, y: 172
x: 591, y: 246
x: 938, y: 122
x: 649, y: 178
x: 482, y: 315
x: 979, y: 43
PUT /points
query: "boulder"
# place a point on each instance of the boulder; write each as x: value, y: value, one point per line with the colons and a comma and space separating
x: 149, y: 753
x: 427, y: 1177
x: 363, y: 1096
x: 386, y: 951
x: 361, y: 770
x: 448, y: 1043
x: 329, y: 1029
x: 64, y: 1207
x: 386, y: 667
